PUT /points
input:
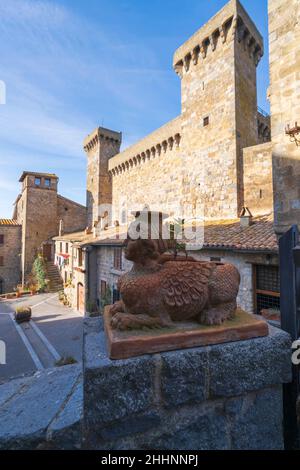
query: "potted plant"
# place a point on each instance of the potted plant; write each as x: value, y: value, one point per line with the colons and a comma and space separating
x: 22, y: 314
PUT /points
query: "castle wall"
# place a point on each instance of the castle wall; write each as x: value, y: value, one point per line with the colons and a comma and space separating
x: 284, y: 30
x: 196, y: 159
x: 258, y: 181
x: 10, y: 250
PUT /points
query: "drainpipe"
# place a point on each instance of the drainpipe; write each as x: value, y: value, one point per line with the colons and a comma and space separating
x: 87, y: 251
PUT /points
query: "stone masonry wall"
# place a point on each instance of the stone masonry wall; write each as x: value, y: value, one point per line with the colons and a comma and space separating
x: 72, y: 214
x: 284, y: 30
x: 196, y: 160
x: 10, y: 272
x: 258, y: 181
x: 227, y: 396
x: 100, y: 146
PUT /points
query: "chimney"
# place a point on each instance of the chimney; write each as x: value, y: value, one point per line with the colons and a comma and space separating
x: 61, y: 228
x: 245, y: 217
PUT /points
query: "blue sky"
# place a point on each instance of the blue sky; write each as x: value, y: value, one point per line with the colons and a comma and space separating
x: 71, y: 65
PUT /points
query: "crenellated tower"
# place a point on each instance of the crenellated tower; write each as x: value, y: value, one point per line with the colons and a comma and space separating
x: 99, y: 146
x: 217, y: 68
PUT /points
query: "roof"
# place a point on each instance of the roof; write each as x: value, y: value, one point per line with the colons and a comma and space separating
x: 218, y: 235
x: 9, y: 222
x: 229, y: 235
x: 34, y: 173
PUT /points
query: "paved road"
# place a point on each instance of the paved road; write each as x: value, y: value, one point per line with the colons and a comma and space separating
x: 55, y: 331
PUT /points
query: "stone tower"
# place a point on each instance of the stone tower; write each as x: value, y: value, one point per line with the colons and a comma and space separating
x: 99, y: 146
x: 217, y: 67
x: 284, y: 30
x: 37, y: 213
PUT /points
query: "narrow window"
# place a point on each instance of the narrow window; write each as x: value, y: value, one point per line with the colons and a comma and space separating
x: 60, y: 247
x: 79, y: 257
x: 118, y: 258
x: 67, y: 248
x: 103, y: 288
x: 37, y: 181
x: 1, y: 239
x: 1, y: 261
x: 47, y: 182
x: 206, y: 121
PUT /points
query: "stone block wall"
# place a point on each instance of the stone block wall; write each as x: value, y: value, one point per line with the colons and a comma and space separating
x: 284, y: 36
x: 258, y: 181
x: 193, y: 164
x: 219, y: 397
x: 10, y: 272
x: 72, y: 214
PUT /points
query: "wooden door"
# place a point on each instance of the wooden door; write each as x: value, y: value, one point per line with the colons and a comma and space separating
x: 47, y: 252
x: 80, y: 298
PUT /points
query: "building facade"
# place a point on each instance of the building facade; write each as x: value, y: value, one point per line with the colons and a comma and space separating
x: 212, y: 161
x: 40, y: 210
x: 10, y: 255
x: 284, y: 29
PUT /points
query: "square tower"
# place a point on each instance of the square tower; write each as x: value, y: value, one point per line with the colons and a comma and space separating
x: 99, y: 146
x: 37, y: 213
x: 217, y: 67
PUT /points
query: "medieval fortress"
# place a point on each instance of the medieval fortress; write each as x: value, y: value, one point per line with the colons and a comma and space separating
x: 222, y: 159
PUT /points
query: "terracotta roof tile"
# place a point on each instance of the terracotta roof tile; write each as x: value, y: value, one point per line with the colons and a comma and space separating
x: 8, y: 222
x: 259, y: 236
x: 219, y: 234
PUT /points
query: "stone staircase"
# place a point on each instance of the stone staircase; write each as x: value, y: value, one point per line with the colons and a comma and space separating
x: 56, y: 282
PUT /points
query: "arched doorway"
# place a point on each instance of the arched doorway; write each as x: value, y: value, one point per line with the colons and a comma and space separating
x: 1, y: 286
x: 80, y: 298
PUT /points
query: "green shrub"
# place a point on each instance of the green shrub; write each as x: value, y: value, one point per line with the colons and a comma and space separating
x: 40, y: 273
x: 106, y: 299
x: 22, y: 314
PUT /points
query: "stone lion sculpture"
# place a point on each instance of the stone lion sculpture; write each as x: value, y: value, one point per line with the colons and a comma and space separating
x: 156, y: 293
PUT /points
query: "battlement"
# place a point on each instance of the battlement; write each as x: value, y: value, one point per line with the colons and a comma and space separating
x: 167, y: 137
x: 230, y: 23
x: 101, y: 134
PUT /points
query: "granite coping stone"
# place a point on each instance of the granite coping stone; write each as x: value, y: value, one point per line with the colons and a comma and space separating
x: 34, y: 404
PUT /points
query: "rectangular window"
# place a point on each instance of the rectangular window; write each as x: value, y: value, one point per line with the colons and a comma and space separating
x: 116, y: 295
x: 206, y: 121
x: 118, y: 259
x: 1, y: 261
x: 103, y: 287
x: 1, y: 239
x: 79, y: 257
x: 67, y: 248
x: 37, y: 181
x: 60, y: 247
x: 266, y: 288
x: 47, y: 182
